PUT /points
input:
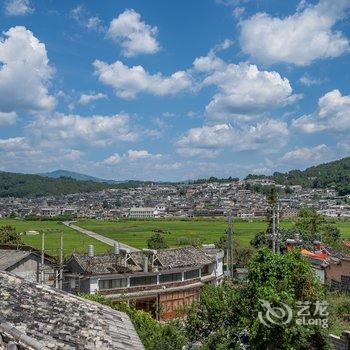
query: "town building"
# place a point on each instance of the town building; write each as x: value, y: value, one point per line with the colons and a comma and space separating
x: 143, y: 213
x: 34, y: 317
x: 26, y: 262
x: 160, y: 281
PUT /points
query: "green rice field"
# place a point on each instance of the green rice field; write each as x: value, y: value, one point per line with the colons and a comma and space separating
x: 136, y: 232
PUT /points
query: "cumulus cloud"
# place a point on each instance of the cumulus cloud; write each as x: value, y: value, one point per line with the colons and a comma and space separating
x: 71, y: 129
x: 24, y: 72
x: 258, y: 137
x: 130, y: 155
x: 13, y: 143
x: 299, y: 39
x: 243, y: 90
x: 134, y: 36
x: 333, y: 114
x: 112, y: 160
x: 8, y: 118
x: 130, y: 81
x: 307, y: 155
x: 88, y: 98
x: 18, y: 7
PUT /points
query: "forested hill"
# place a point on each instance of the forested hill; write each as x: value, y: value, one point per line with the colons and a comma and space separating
x: 328, y: 175
x: 26, y: 185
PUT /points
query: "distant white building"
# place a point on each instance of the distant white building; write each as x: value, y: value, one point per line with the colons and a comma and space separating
x: 143, y: 212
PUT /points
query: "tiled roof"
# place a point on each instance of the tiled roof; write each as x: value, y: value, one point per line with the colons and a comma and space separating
x: 168, y: 259
x: 58, y: 320
x: 9, y: 258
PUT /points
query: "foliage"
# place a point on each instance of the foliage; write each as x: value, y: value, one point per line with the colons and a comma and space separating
x: 215, y: 179
x: 9, y: 235
x: 157, y: 241
x: 339, y: 308
x: 27, y: 185
x: 224, y: 312
x: 153, y: 335
x: 329, y: 175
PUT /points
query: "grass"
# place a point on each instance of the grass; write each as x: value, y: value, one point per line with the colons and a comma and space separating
x: 72, y: 240
x: 136, y: 232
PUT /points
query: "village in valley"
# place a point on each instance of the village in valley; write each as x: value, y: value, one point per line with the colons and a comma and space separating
x: 175, y: 175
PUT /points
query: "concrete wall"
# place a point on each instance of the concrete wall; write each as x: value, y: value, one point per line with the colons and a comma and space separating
x: 29, y: 269
x: 338, y: 274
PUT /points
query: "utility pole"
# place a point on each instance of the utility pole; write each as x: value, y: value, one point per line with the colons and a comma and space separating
x: 273, y: 230
x: 60, y: 283
x: 42, y: 257
x: 278, y: 250
x: 230, y: 246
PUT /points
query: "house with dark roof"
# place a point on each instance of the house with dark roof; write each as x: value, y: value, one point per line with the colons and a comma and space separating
x: 35, y: 316
x: 26, y: 262
x: 160, y: 281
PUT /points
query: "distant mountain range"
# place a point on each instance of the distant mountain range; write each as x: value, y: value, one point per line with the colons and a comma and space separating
x: 76, y: 176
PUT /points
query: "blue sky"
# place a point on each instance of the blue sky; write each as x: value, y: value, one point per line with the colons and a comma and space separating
x: 172, y: 90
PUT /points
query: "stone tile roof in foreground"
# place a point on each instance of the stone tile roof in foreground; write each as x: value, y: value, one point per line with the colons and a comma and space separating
x: 39, y: 317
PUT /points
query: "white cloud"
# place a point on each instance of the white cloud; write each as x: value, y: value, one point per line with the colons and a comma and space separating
x: 8, y: 118
x: 265, y: 136
x: 18, y: 7
x: 83, y: 17
x: 128, y: 82
x: 309, y: 81
x: 298, y: 39
x: 133, y: 35
x: 140, y: 154
x: 333, y: 114
x: 244, y: 90
x: 307, y: 155
x: 24, y: 72
x: 13, y: 143
x: 131, y: 155
x: 88, y: 98
x: 112, y: 160
x: 96, y: 130
x: 198, y: 152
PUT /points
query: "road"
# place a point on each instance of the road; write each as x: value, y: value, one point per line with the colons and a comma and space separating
x: 97, y: 236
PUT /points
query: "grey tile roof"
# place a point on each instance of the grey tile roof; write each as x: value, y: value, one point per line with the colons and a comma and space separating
x: 58, y: 320
x: 168, y: 259
x: 9, y: 258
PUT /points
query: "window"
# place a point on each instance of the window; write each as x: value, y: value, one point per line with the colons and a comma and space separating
x: 171, y: 277
x: 143, y: 280
x: 111, y: 284
x: 191, y: 274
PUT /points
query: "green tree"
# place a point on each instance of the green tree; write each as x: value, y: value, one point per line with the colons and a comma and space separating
x: 153, y: 335
x: 9, y: 235
x: 157, y: 241
x: 225, y: 312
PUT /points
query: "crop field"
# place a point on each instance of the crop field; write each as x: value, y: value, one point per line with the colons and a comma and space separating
x: 176, y: 231
x: 72, y: 240
x: 136, y: 232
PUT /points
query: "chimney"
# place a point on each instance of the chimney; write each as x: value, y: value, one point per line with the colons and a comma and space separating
x: 116, y: 248
x: 90, y: 251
